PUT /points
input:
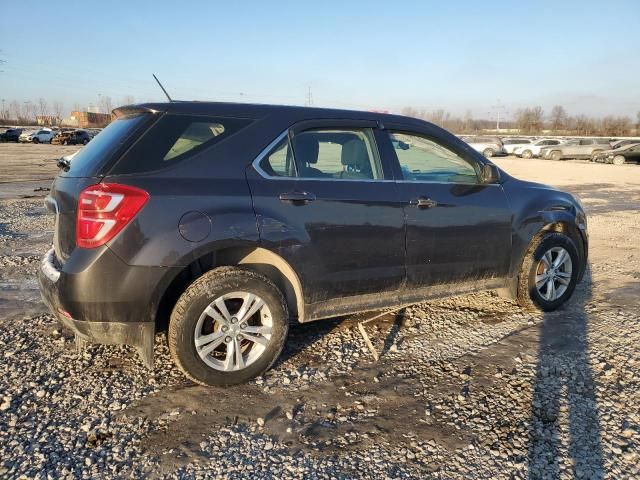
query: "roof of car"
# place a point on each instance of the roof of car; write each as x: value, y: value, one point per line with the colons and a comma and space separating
x: 262, y: 110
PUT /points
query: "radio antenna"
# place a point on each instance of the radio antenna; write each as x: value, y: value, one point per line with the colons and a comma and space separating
x: 165, y: 92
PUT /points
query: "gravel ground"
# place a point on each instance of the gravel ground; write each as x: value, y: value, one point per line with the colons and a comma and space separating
x: 468, y: 387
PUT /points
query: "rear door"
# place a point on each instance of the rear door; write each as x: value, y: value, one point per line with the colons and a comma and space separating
x: 328, y: 206
x: 458, y: 229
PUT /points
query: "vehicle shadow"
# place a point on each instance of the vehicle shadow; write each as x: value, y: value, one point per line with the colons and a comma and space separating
x: 304, y: 335
x: 564, y: 416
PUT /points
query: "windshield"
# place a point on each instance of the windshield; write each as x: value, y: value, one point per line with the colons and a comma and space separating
x: 91, y: 158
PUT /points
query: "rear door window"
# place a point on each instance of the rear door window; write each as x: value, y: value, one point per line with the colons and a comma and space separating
x: 175, y: 138
x: 337, y: 154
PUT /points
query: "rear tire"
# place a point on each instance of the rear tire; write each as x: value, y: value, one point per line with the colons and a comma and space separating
x: 198, y: 318
x: 527, y: 154
x: 488, y: 152
x: 534, y: 280
x: 36, y: 140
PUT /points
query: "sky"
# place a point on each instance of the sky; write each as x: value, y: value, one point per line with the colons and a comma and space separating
x: 478, y: 56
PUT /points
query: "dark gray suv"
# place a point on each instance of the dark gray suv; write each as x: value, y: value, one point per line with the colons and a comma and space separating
x: 222, y: 223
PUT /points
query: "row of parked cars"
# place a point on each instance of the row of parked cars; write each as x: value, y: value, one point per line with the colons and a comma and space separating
x: 55, y: 136
x: 604, y: 150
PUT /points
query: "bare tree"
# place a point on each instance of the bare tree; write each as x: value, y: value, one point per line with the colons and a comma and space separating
x: 58, y: 107
x: 558, y: 118
x: 14, y: 110
x: 76, y: 107
x: 43, y: 107
x: 584, y: 125
x: 128, y: 100
x: 530, y: 120
x: 28, y: 111
x: 106, y: 105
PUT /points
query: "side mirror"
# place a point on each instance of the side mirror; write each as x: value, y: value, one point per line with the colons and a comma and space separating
x: 489, y: 173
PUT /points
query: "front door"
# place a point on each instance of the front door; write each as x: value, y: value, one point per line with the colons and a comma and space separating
x: 458, y: 229
x: 326, y: 204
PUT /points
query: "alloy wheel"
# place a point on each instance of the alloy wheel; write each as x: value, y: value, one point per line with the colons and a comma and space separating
x: 233, y: 331
x: 553, y: 273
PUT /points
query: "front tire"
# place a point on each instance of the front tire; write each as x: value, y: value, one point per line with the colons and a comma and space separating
x: 229, y: 326
x: 556, y: 155
x: 488, y: 152
x: 549, y: 273
x: 618, y: 160
x: 527, y: 154
x: 36, y: 140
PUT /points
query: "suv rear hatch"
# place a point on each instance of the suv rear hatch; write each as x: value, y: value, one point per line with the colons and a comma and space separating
x: 88, y: 167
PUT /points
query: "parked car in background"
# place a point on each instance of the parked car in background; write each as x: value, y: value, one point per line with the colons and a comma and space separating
x: 43, y: 135
x: 488, y: 146
x: 577, y: 148
x: 77, y: 137
x: 11, y: 135
x: 277, y: 228
x: 510, y: 144
x: 621, y: 143
x: 621, y: 155
x: 61, y: 137
x: 533, y: 149
x: 93, y: 131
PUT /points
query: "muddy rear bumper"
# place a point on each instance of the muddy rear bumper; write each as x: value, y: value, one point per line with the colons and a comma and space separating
x: 102, y: 300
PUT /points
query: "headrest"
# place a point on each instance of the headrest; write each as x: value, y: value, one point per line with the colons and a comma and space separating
x: 306, y: 148
x: 354, y: 153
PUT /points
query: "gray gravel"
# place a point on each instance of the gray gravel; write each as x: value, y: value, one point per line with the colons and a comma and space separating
x: 468, y: 387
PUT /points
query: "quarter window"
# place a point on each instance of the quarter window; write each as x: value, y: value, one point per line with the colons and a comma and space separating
x: 196, y: 134
x: 425, y: 160
x: 174, y: 138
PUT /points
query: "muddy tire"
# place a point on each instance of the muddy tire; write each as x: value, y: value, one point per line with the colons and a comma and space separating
x: 527, y: 154
x: 229, y: 326
x: 549, y: 273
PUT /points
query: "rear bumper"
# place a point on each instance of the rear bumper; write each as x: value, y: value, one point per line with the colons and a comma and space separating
x: 102, y: 299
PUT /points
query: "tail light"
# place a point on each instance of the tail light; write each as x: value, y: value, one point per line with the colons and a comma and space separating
x: 105, y: 209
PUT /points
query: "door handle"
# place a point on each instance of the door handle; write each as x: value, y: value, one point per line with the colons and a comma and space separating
x: 297, y: 197
x: 423, y: 202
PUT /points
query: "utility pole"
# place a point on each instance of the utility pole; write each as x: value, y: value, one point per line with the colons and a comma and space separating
x: 3, y: 110
x: 309, y: 97
x: 499, y: 109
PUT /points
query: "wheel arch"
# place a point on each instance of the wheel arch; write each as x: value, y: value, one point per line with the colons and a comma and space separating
x: 255, y: 258
x: 549, y: 221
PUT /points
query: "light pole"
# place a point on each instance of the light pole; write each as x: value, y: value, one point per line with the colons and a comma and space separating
x: 4, y: 115
x: 99, y: 106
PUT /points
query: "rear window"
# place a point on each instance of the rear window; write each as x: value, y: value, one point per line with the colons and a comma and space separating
x: 90, y: 159
x: 175, y: 138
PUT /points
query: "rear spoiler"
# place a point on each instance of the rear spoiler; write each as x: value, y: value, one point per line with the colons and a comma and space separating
x: 127, y: 110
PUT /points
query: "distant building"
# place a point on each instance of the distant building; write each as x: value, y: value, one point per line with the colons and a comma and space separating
x: 87, y: 120
x: 46, y: 120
